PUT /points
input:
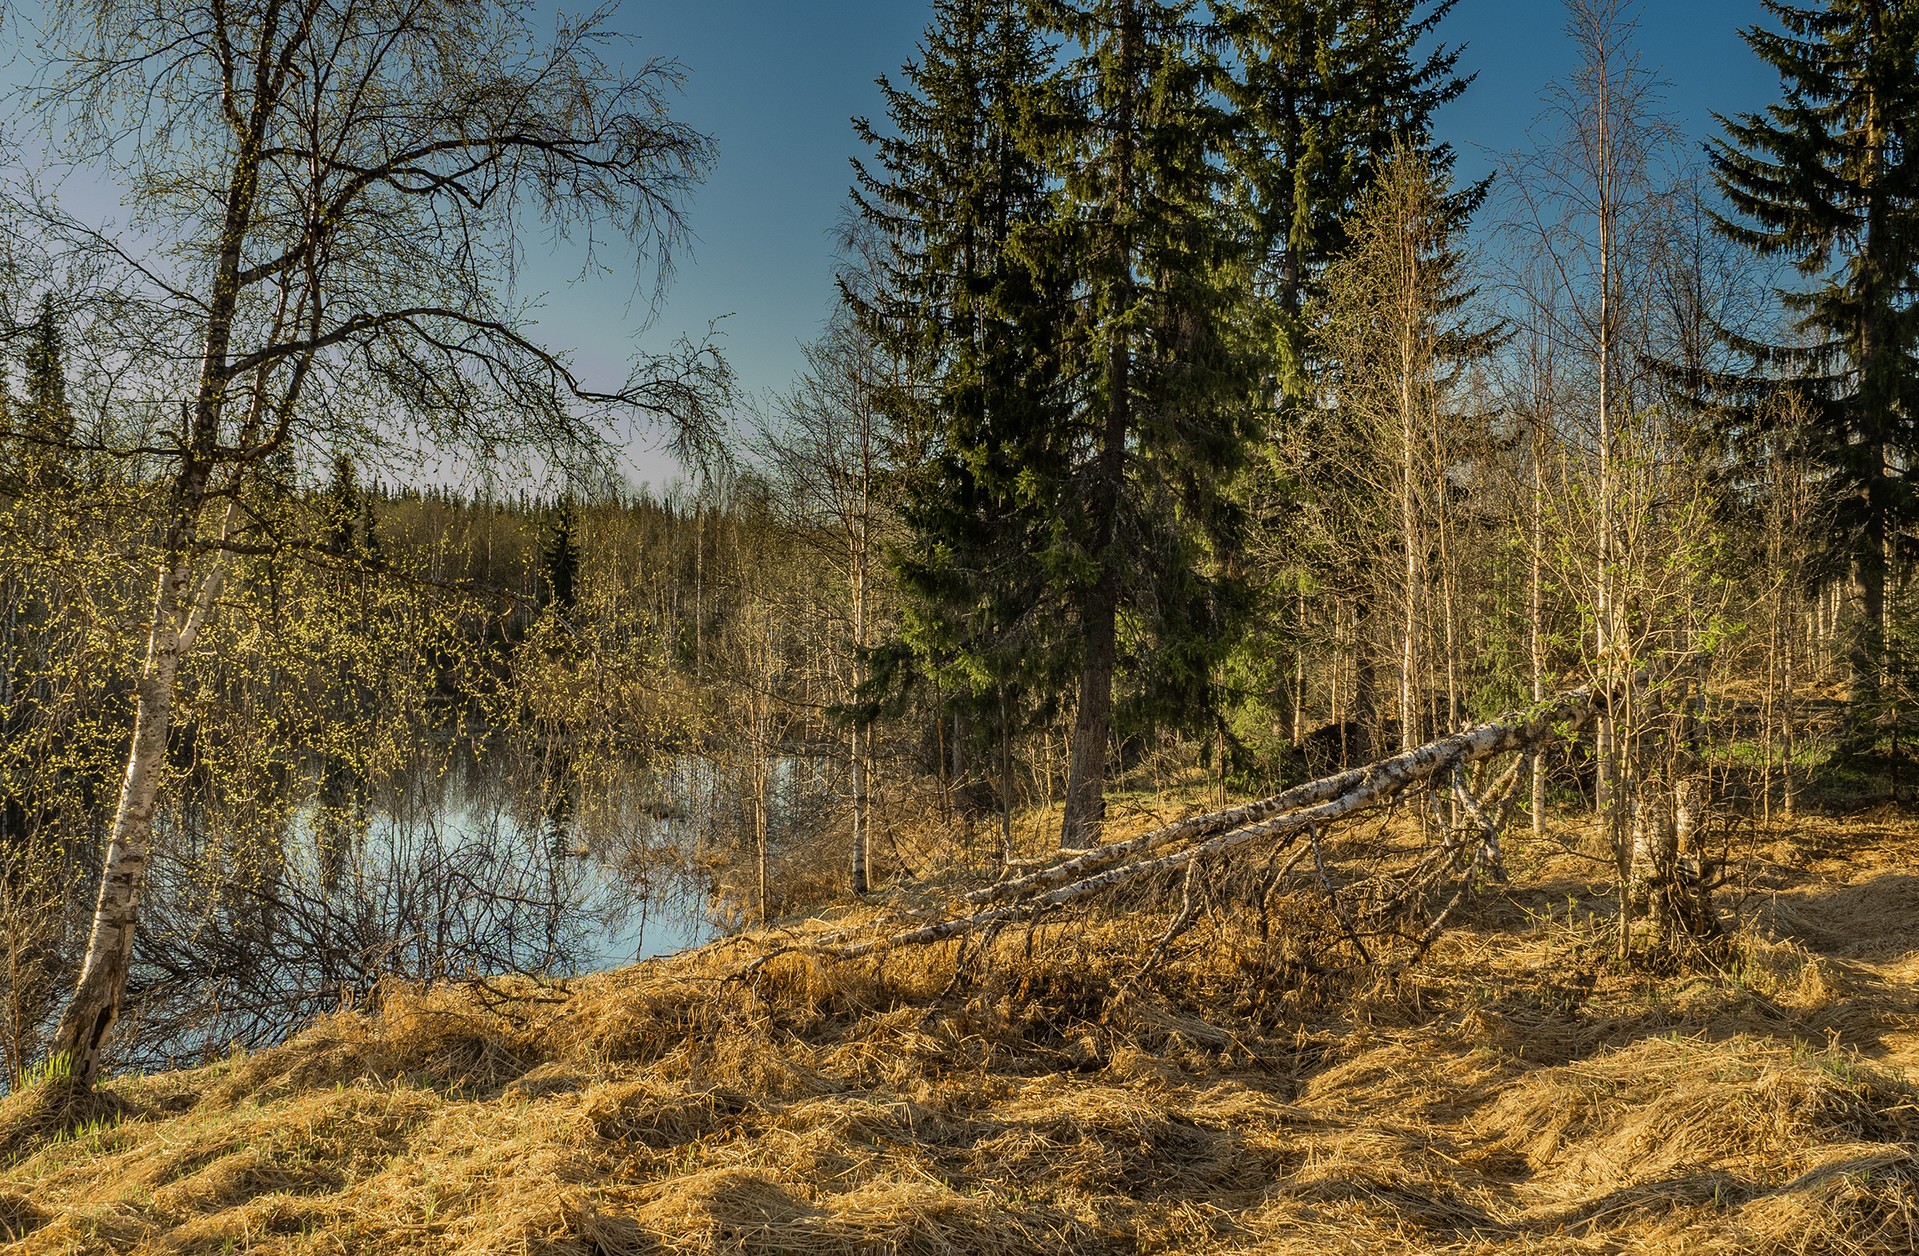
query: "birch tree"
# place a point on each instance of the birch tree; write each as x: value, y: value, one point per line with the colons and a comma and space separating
x: 324, y: 208
x: 829, y: 457
x: 1399, y: 325
x: 1590, y: 201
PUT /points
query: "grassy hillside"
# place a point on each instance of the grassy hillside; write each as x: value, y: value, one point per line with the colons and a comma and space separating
x: 1516, y: 1092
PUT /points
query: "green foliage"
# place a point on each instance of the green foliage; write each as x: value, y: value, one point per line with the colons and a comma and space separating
x: 1105, y: 224
x: 973, y: 298
x: 1827, y: 180
x: 1320, y: 93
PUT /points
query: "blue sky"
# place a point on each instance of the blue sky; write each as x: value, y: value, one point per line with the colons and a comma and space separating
x: 775, y: 82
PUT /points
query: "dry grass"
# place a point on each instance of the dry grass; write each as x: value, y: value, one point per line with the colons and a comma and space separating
x: 1514, y: 1093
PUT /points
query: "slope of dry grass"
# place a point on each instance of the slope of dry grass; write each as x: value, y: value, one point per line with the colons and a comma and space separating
x: 1516, y: 1092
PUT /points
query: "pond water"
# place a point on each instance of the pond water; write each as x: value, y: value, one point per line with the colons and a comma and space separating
x: 606, y: 868
x: 267, y: 912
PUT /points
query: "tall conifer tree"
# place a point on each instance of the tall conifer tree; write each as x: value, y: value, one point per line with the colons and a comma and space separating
x: 44, y: 415
x: 1321, y: 91
x: 972, y: 300
x: 1828, y: 180
x: 45, y: 409
x: 1166, y: 391
x: 1077, y: 291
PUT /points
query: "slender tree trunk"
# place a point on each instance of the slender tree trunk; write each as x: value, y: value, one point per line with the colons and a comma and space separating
x: 862, y: 869
x: 1769, y: 707
x: 1005, y: 778
x: 179, y: 611
x: 1085, y: 810
x: 759, y: 834
x: 939, y: 755
x: 1448, y: 611
x: 1365, y: 696
x: 956, y: 746
x: 1299, y: 674
x: 1612, y: 796
x: 178, y: 614
x: 1789, y: 793
x: 762, y: 787
x: 1335, y: 674
x: 1092, y: 726
x: 1410, y: 701
x: 1878, y: 363
x: 1536, y: 615
x: 699, y: 583
x: 862, y: 860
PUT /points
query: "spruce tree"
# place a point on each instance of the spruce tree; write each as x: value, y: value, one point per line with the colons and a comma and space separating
x: 1321, y: 92
x: 1165, y: 388
x: 44, y: 416
x: 1827, y: 180
x: 560, y: 559
x: 970, y: 298
x: 1081, y: 201
x: 340, y: 507
x: 45, y: 409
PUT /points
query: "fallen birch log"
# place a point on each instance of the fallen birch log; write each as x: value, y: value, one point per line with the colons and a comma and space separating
x: 1283, y: 818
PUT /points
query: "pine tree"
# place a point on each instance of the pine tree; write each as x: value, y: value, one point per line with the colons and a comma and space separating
x: 1827, y: 179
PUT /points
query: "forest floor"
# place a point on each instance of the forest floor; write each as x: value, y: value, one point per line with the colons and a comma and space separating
x: 1517, y: 1091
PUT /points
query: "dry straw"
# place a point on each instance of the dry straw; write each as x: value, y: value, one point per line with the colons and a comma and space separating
x: 1252, y: 1093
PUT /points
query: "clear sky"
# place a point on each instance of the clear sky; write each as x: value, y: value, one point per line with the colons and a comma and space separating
x: 775, y: 82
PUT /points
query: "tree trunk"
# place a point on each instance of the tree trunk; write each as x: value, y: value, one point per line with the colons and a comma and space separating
x: 1092, y: 726
x: 862, y: 866
x: 95, y: 1006
x: 1299, y: 673
x: 1365, y: 700
x: 178, y: 615
x: 1410, y: 697
x: 1536, y: 614
x: 759, y: 837
x: 1085, y: 810
x: 862, y: 869
x: 1280, y: 820
x: 1789, y: 793
x: 1005, y: 778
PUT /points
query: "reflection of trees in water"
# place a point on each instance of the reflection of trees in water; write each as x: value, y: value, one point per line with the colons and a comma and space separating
x: 787, y: 807
x: 462, y: 865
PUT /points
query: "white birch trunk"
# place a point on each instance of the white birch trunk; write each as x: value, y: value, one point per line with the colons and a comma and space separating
x: 1280, y: 819
x: 1537, y: 615
x: 178, y: 616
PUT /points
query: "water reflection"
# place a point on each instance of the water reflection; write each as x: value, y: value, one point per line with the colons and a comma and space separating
x: 313, y: 894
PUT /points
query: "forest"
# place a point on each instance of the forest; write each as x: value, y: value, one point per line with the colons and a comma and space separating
x: 1194, y: 470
